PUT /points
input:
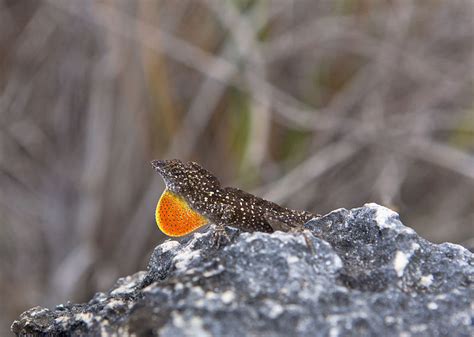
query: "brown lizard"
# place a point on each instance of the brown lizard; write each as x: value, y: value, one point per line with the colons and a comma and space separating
x: 194, y: 197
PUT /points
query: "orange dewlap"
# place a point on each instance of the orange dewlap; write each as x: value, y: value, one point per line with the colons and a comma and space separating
x: 174, y: 216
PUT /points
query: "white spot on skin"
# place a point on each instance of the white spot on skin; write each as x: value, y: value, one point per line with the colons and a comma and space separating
x: 426, y: 280
x: 400, y: 262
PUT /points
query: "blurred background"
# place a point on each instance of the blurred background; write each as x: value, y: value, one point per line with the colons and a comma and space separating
x: 315, y: 105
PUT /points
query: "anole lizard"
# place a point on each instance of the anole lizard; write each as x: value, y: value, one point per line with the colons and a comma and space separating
x: 194, y: 197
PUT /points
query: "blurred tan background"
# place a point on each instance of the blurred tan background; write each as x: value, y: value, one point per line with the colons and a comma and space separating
x: 313, y: 104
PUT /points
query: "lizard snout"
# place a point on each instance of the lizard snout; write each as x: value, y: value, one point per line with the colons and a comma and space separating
x: 158, y: 164
x: 167, y: 165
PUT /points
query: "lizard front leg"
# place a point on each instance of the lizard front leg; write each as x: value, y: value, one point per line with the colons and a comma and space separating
x: 220, y: 237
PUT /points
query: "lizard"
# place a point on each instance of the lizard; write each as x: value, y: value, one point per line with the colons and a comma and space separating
x: 194, y: 197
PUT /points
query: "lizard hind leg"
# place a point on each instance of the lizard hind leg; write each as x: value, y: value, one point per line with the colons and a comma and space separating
x: 175, y: 217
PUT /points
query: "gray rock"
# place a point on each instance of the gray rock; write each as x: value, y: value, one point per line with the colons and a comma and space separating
x: 363, y: 273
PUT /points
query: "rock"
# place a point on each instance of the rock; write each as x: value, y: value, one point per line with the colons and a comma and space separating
x: 362, y: 273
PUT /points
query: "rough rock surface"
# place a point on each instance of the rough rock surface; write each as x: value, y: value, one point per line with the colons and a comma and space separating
x: 363, y: 274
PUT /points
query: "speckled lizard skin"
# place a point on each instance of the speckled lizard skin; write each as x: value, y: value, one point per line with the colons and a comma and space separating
x: 195, y: 197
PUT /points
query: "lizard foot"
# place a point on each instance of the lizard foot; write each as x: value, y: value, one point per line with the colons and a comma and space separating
x: 220, y: 237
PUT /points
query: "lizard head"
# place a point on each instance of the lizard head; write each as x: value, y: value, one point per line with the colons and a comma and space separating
x: 183, y: 178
